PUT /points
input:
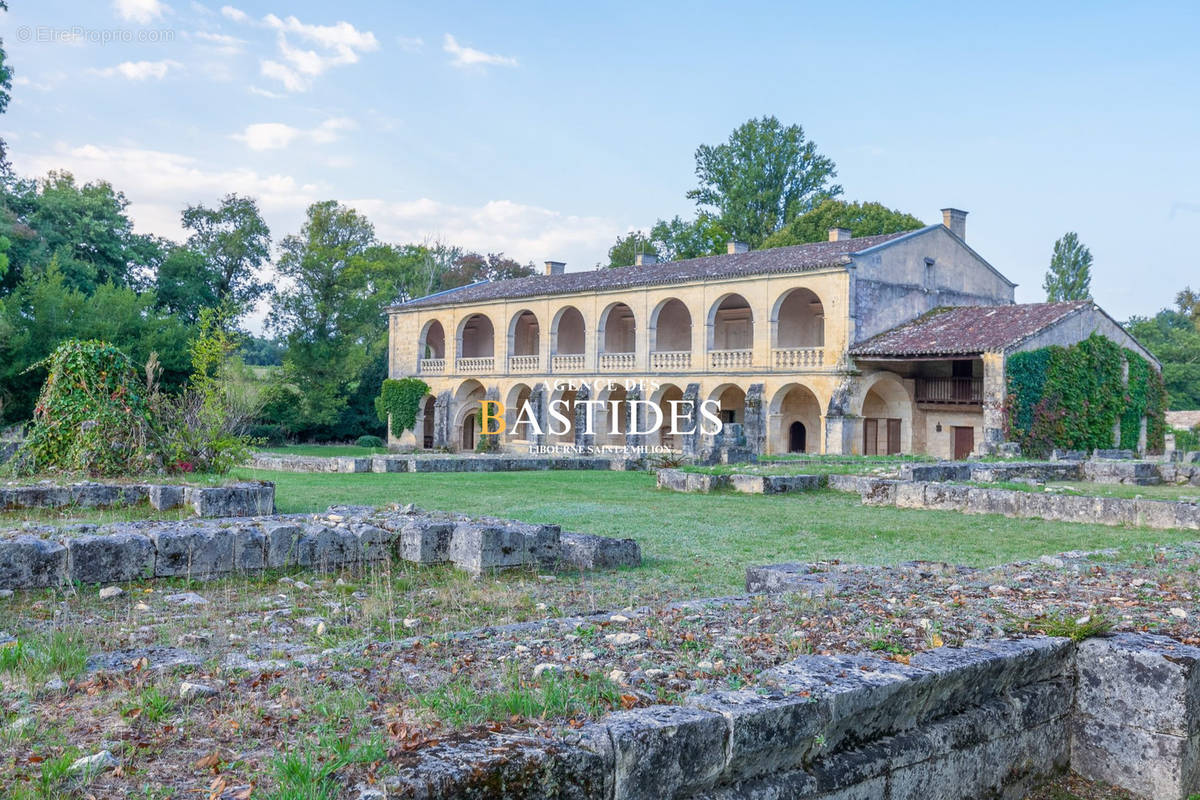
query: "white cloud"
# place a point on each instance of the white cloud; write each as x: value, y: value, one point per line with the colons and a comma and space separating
x: 524, y: 232
x: 296, y: 66
x: 278, y: 136
x: 138, y: 70
x: 411, y: 44
x: 140, y: 11
x: 265, y: 93
x: 222, y: 42
x: 159, y: 184
x: 235, y: 14
x: 466, y: 57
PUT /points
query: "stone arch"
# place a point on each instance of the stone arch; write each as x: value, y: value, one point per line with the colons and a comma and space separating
x: 432, y: 343
x: 426, y: 420
x: 798, y: 320
x: 524, y: 334
x: 883, y: 404
x: 795, y: 404
x: 732, y: 400
x: 617, y: 331
x: 476, y: 337
x: 518, y: 395
x: 730, y: 323
x: 467, y: 399
x: 568, y: 333
x: 606, y: 414
x: 666, y: 435
x: 670, y: 327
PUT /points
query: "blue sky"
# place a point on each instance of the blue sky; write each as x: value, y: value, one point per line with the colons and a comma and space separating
x: 544, y: 130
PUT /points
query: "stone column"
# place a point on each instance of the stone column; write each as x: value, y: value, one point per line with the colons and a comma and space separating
x: 490, y: 442
x: 635, y: 418
x: 840, y: 424
x: 539, y: 403
x: 994, y: 392
x: 443, y: 413
x: 691, y: 420
x: 582, y: 439
x: 756, y: 420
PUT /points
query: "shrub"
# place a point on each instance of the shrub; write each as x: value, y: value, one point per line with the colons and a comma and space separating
x: 92, y: 415
x: 402, y: 400
x: 369, y: 441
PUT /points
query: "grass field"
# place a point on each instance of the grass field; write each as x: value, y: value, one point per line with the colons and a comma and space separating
x: 700, y: 545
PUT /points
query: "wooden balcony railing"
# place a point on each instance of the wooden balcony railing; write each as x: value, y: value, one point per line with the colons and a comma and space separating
x: 953, y: 391
x: 432, y: 366
x: 671, y: 360
x: 798, y: 357
x: 475, y: 365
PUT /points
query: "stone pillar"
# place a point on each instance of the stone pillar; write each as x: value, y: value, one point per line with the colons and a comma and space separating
x: 995, y: 390
x: 582, y: 438
x: 635, y: 418
x: 540, y: 404
x: 691, y: 420
x: 489, y: 443
x: 443, y: 413
x: 840, y: 424
x: 756, y: 420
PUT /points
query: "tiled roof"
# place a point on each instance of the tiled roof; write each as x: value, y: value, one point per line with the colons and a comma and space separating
x: 798, y: 258
x: 967, y: 330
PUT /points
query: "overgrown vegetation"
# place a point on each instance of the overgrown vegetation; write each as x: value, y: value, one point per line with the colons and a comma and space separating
x: 400, y: 400
x: 1072, y: 397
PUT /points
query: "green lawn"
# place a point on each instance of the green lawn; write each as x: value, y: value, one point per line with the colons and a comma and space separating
x: 327, y: 450
x: 700, y: 545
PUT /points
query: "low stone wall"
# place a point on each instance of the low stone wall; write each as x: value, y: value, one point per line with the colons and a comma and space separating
x: 418, y: 463
x: 678, y: 480
x: 1141, y: 473
x: 984, y: 720
x: 342, y: 538
x: 8, y: 450
x: 1159, y: 514
x: 249, y: 499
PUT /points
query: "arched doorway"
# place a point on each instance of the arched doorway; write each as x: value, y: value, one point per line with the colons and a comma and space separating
x: 468, y: 432
x: 427, y: 422
x: 518, y: 397
x: 667, y: 435
x: 886, y: 412
x: 797, y: 438
x: 467, y: 402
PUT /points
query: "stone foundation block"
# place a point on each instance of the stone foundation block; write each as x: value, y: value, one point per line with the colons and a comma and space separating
x: 584, y: 551
x: 239, y: 500
x: 324, y: 548
x: 1187, y: 516
x: 199, y: 552
x: 375, y: 544
x: 778, y: 484
x: 700, y: 482
x: 798, y: 578
x: 390, y: 464
x: 1155, y: 513
x: 352, y: 464
x: 110, y: 558
x: 660, y: 751
x: 767, y: 733
x: 478, y: 548
x: 425, y: 542
x: 673, y: 479
x: 281, y: 545
x: 249, y: 548
x: 878, y: 492
x: 910, y: 494
x: 164, y: 498
x: 946, y: 497
x: 1137, y: 723
x: 27, y: 562
x: 748, y: 484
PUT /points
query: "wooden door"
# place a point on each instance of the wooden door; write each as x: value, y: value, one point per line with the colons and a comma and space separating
x: 870, y: 437
x: 893, y: 434
x: 964, y: 442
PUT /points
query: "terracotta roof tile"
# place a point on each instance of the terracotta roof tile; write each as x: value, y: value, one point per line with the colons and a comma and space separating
x: 966, y: 330
x: 798, y: 258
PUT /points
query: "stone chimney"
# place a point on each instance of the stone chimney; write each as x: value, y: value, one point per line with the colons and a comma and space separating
x: 733, y: 246
x: 556, y: 267
x: 839, y: 234
x: 644, y: 259
x: 956, y: 221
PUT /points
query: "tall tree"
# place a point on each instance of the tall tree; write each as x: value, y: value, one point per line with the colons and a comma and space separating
x: 330, y: 313
x: 862, y: 219
x: 677, y: 238
x: 1188, y: 303
x: 1070, y: 273
x: 1172, y: 337
x: 234, y: 242
x: 762, y: 178
x: 5, y: 88
x: 626, y: 249
x: 470, y: 267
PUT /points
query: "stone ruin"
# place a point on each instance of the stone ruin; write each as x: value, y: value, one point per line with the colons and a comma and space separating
x: 246, y: 499
x: 344, y: 537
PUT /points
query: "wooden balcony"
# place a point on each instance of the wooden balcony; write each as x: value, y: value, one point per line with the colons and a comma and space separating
x: 950, y: 391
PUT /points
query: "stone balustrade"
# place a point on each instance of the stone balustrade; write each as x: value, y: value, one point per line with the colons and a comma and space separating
x: 798, y: 357
x: 573, y: 362
x: 618, y: 362
x: 730, y: 359
x: 671, y: 361
x: 475, y: 366
x: 432, y: 366
x: 522, y: 363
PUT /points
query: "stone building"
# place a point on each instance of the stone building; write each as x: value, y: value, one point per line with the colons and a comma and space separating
x: 879, y: 344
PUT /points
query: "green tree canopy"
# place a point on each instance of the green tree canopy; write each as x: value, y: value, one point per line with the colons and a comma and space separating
x: 764, y: 176
x: 625, y: 250
x: 862, y: 219
x: 1070, y: 273
x: 1175, y: 341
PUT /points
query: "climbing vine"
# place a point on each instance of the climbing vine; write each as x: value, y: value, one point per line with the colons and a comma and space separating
x: 402, y: 400
x: 1073, y: 397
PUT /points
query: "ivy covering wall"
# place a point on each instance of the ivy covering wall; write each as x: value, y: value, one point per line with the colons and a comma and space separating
x: 1072, y: 397
x: 402, y: 400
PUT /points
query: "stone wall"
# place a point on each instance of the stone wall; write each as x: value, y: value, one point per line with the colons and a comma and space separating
x: 7, y: 450
x: 342, y: 538
x: 415, y: 463
x: 249, y: 499
x: 679, y: 481
x: 989, y: 719
x: 1096, y: 470
x: 1159, y: 514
